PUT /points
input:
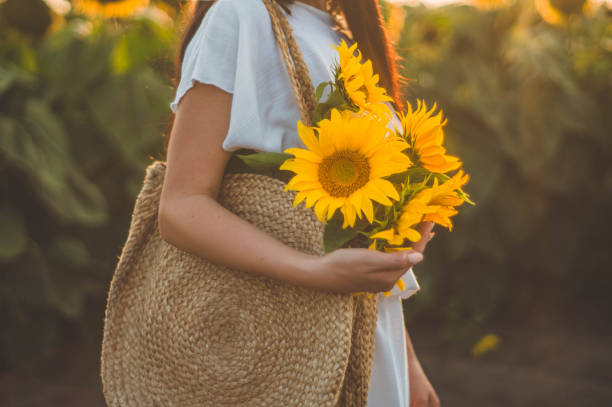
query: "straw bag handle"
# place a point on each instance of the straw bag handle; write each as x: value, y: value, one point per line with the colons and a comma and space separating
x: 298, y: 71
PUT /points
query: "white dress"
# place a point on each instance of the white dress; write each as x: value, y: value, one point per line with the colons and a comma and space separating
x: 234, y: 49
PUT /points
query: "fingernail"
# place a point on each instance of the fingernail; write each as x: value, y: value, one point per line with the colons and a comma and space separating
x: 415, y: 257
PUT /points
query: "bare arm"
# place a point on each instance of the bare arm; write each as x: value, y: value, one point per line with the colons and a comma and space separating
x: 191, y: 218
x: 422, y: 393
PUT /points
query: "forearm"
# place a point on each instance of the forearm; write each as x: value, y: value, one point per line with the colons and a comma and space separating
x: 191, y: 218
x: 198, y: 224
x: 422, y: 392
x: 410, y: 353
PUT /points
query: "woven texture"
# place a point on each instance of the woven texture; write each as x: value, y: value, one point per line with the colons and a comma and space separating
x: 182, y: 331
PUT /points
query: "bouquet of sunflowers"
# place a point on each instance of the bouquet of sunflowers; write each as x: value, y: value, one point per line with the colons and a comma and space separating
x: 371, y: 184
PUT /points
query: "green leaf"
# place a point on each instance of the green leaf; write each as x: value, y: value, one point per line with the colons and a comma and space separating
x: 39, y: 146
x: 121, y: 58
x: 14, y: 236
x: 67, y: 292
x: 78, y: 200
x: 141, y: 42
x: 464, y: 195
x: 334, y: 237
x: 415, y: 172
x: 136, y: 100
x: 321, y: 112
x: 266, y: 163
x: 442, y: 178
x: 36, y: 144
x: 336, y: 99
x: 10, y: 76
x: 66, y: 251
x: 321, y: 89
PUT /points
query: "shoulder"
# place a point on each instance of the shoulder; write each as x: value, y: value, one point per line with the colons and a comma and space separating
x: 239, y: 11
x: 229, y: 22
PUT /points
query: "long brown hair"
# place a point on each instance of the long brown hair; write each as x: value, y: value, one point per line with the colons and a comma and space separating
x: 365, y: 25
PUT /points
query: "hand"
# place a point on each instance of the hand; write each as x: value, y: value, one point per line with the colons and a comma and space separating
x: 422, y: 393
x: 358, y: 270
x: 425, y: 229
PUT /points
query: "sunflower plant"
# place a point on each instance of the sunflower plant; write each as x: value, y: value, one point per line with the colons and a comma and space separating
x: 345, y: 166
x: 370, y: 183
x: 354, y: 88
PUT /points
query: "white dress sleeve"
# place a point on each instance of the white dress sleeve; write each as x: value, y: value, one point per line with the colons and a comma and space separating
x: 234, y: 49
x: 223, y: 53
x: 211, y: 54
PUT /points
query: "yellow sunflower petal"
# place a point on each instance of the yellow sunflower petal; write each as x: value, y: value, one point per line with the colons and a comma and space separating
x: 412, y: 235
x: 334, y: 205
x: 299, y: 197
x: 304, y: 154
x: 387, y: 188
x: 313, y: 196
x: 368, y: 208
x: 321, y: 208
x: 424, y: 132
x: 385, y: 234
x: 353, y: 154
x: 350, y: 216
x: 401, y: 285
x: 308, y: 137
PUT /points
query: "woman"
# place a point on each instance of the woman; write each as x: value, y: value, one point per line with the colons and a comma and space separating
x: 233, y: 84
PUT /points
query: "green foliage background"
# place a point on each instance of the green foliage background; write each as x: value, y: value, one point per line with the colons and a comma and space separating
x: 81, y: 110
x: 83, y: 106
x: 528, y: 107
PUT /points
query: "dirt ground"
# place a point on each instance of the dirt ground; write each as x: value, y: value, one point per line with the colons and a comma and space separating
x: 529, y: 369
x: 545, y: 369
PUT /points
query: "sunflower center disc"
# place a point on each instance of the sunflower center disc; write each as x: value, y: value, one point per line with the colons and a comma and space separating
x: 344, y: 172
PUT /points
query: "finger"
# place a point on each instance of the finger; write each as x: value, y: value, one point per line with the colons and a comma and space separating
x: 400, y: 271
x: 420, y: 245
x: 401, y: 260
x: 425, y: 227
x: 425, y: 238
x: 409, y: 258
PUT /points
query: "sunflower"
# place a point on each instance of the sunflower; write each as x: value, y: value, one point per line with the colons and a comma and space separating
x: 558, y: 12
x: 489, y: 4
x: 359, y: 83
x: 425, y: 135
x: 411, y: 215
x: 344, y: 167
x: 445, y: 198
x: 109, y: 8
x: 436, y: 204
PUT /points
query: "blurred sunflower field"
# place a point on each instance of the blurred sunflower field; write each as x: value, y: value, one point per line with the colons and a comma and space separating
x: 527, y: 89
x: 84, y: 93
x: 526, y: 86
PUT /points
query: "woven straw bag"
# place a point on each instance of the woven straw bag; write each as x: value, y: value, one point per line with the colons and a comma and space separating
x: 182, y: 331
